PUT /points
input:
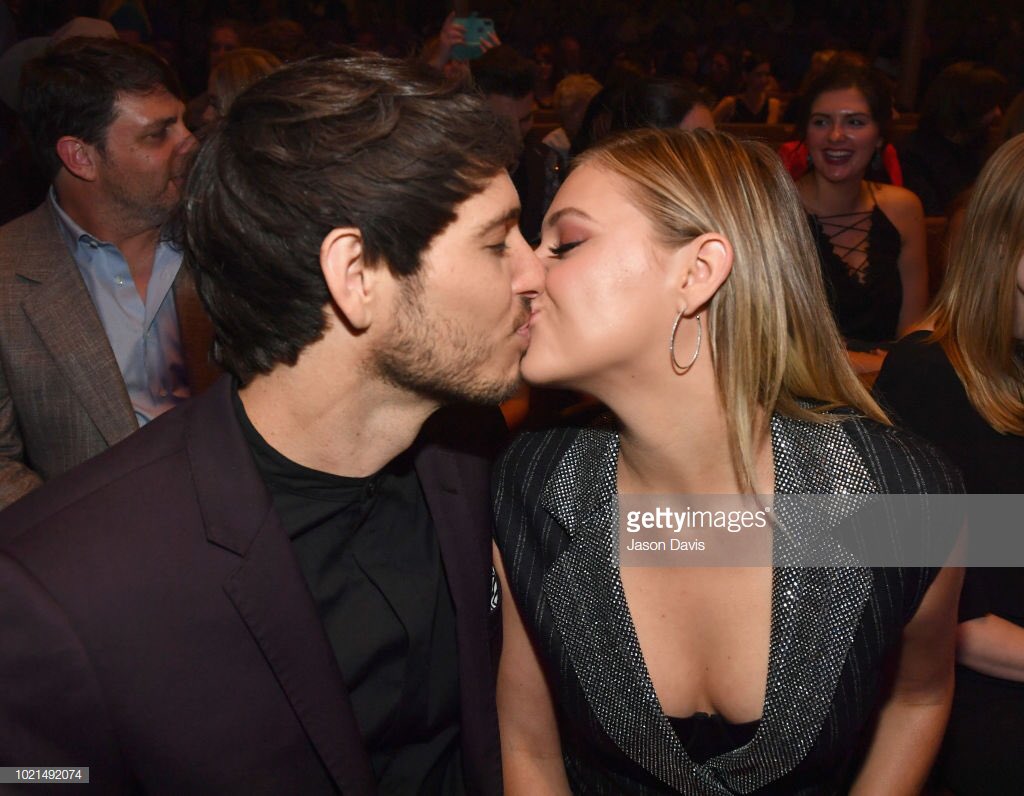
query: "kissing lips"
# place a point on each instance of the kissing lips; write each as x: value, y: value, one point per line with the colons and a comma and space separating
x: 523, y: 330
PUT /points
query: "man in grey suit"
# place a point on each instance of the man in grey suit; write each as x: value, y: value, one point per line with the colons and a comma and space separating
x: 100, y: 331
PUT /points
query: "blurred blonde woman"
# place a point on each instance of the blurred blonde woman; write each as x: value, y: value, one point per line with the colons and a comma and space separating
x: 235, y: 72
x: 960, y: 384
x: 683, y: 292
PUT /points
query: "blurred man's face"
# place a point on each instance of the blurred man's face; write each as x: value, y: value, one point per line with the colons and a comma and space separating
x: 518, y: 110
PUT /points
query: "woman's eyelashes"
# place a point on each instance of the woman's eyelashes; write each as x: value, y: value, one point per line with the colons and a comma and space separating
x: 563, y: 248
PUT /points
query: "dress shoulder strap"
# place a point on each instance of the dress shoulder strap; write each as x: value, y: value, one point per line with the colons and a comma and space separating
x: 871, y: 190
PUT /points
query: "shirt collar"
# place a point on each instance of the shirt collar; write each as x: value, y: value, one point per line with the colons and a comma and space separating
x: 70, y: 229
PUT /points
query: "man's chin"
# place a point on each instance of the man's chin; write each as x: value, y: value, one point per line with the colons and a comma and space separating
x: 451, y: 388
x: 479, y: 394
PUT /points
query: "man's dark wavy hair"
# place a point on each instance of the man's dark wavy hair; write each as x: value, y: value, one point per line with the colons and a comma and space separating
x: 382, y: 145
x: 73, y: 88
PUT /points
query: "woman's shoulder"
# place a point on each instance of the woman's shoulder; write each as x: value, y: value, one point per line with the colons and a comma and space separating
x: 899, y: 204
x: 528, y: 462
x: 724, y: 110
x: 917, y: 349
x: 900, y: 461
x: 916, y: 366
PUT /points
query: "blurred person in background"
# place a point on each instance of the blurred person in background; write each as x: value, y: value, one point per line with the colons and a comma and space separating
x: 753, y: 104
x: 960, y: 117
x: 100, y: 327
x: 234, y: 73
x: 870, y: 236
x: 958, y: 382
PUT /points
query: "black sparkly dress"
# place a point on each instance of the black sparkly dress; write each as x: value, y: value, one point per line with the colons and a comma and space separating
x: 832, y: 628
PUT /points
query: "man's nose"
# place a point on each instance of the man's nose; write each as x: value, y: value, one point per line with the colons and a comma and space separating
x: 187, y: 141
x: 528, y: 276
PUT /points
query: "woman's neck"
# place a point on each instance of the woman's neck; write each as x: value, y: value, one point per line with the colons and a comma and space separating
x: 753, y: 99
x: 827, y: 198
x: 679, y: 443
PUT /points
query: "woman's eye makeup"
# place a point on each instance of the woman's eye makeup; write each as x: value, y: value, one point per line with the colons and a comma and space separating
x: 564, y: 248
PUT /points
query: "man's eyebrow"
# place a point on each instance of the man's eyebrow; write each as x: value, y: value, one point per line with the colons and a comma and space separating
x: 554, y: 218
x: 506, y: 219
x: 160, y: 124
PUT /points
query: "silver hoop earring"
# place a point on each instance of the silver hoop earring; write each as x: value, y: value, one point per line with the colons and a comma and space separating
x: 682, y: 369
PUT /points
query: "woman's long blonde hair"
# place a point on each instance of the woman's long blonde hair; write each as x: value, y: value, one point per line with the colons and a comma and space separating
x: 773, y: 340
x: 973, y: 314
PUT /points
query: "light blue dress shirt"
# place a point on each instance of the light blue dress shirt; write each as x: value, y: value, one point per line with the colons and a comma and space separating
x: 145, y: 336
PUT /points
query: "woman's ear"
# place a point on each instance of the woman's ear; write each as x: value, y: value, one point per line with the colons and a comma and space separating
x: 705, y: 264
x: 352, y: 282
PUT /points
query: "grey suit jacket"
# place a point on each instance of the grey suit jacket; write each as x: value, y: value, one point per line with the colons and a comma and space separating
x: 62, y: 397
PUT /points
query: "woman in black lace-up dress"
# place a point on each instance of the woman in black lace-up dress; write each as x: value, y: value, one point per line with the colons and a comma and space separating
x: 870, y: 236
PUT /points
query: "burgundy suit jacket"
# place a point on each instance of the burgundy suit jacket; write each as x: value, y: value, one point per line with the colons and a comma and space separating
x: 155, y: 625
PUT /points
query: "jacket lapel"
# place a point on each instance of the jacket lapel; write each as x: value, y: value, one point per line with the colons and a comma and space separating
x: 196, y: 331
x: 63, y: 315
x: 584, y: 591
x: 270, y: 593
x: 457, y: 496
x: 815, y: 611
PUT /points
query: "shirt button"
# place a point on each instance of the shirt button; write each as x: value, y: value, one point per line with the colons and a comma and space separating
x: 119, y: 280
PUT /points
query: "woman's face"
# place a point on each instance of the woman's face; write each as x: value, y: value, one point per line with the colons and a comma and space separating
x: 758, y: 77
x: 842, y: 135
x: 608, y: 305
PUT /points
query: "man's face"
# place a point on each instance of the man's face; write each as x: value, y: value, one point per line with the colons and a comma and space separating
x: 144, y: 160
x: 518, y: 110
x: 460, y: 325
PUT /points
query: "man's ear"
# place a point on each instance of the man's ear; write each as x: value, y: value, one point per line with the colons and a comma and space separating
x: 78, y: 157
x: 703, y: 266
x: 352, y: 282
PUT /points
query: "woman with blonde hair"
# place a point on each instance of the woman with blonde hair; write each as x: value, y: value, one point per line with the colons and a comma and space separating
x: 961, y: 386
x: 235, y: 72
x: 684, y: 294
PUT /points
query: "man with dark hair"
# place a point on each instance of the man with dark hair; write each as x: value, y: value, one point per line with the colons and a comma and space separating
x: 284, y: 586
x: 100, y: 331
x: 506, y: 79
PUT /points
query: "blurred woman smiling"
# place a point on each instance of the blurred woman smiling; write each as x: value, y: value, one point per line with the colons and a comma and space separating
x: 870, y: 236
